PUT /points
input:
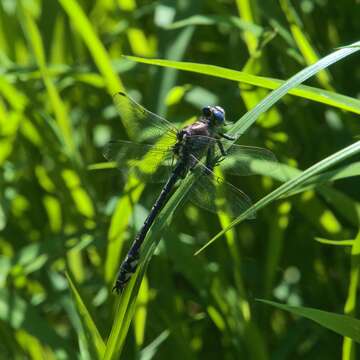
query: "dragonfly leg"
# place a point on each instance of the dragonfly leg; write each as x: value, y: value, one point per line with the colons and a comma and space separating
x: 227, y: 137
x: 217, y: 160
x: 127, y: 268
x: 221, y: 148
x: 210, y: 160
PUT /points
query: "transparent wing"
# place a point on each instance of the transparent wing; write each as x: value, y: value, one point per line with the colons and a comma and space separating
x: 215, y: 194
x: 141, y: 122
x: 148, y: 162
x: 244, y: 160
x: 240, y: 160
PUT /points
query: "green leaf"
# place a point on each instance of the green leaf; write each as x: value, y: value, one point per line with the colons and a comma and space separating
x: 307, y: 92
x: 217, y: 20
x: 292, y: 185
x: 58, y: 106
x: 302, y: 41
x: 343, y: 172
x: 152, y: 349
x: 341, y: 324
x: 94, y: 340
x: 335, y: 242
x: 96, y: 48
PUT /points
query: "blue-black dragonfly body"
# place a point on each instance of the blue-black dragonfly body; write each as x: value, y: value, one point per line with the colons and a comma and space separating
x: 197, y: 147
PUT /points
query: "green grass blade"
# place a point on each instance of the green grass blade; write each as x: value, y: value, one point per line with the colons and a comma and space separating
x: 150, y: 351
x: 291, y: 185
x: 335, y: 242
x: 341, y: 324
x: 309, y: 53
x: 307, y: 92
x: 345, y: 205
x: 217, y: 20
x: 351, y: 301
x: 346, y: 171
x: 94, y: 339
x: 124, y: 312
x: 118, y: 225
x: 58, y: 106
x: 343, y: 172
x: 101, y: 58
x: 246, y: 12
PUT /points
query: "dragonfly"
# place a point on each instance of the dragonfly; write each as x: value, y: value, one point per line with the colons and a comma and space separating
x: 167, y: 154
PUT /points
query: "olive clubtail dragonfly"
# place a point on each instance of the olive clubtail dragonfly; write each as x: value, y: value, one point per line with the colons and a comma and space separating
x: 197, y: 147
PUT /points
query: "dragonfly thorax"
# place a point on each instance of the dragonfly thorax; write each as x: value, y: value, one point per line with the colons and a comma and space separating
x: 195, y: 139
x: 193, y: 142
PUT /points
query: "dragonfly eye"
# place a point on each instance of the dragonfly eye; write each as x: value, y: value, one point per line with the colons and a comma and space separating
x: 206, y: 111
x: 219, y: 115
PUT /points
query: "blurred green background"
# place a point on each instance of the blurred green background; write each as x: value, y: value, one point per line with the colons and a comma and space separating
x: 60, y: 63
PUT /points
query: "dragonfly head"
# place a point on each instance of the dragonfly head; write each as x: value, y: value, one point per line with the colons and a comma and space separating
x: 214, y: 114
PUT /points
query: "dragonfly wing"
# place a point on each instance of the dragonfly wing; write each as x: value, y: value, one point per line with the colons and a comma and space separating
x: 244, y: 160
x: 140, y: 121
x: 148, y: 162
x: 215, y: 194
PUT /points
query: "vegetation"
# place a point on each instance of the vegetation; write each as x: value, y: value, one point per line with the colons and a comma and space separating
x: 278, y: 287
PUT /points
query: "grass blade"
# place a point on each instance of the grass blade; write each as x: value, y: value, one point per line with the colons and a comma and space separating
x: 96, y: 48
x: 307, y: 92
x: 59, y: 108
x: 291, y: 185
x: 217, y: 20
x: 304, y: 45
x: 94, y: 339
x: 350, y: 305
x: 341, y: 324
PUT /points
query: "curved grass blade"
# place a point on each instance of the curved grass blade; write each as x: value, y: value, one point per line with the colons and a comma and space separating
x: 61, y: 115
x: 125, y: 309
x: 303, y: 43
x: 342, y: 324
x: 101, y: 58
x: 149, y: 352
x: 245, y: 11
x: 308, y: 92
x: 284, y: 172
x: 335, y: 242
x: 351, y: 301
x: 343, y: 172
x: 119, y: 224
x: 233, y: 21
x: 291, y: 185
x: 94, y: 339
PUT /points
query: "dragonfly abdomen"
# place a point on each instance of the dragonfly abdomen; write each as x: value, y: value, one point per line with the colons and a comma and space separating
x: 127, y: 268
x: 129, y: 265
